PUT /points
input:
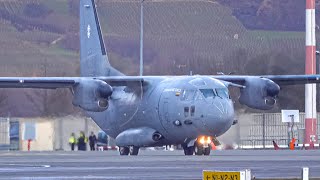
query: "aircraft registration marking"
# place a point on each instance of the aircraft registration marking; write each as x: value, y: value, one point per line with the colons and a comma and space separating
x: 218, y: 175
x: 172, y: 90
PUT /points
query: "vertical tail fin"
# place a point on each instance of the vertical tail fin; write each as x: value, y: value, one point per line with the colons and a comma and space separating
x: 93, y: 56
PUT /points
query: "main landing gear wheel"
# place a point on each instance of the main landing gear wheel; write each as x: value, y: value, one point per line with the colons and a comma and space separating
x: 206, y: 151
x: 124, y: 151
x: 188, y: 150
x: 134, y: 150
x: 199, y: 150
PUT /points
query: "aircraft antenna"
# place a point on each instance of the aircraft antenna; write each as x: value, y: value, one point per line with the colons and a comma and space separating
x: 141, y: 37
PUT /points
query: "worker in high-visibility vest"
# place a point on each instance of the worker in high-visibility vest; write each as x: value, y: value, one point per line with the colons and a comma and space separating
x: 82, y: 142
x: 72, y: 141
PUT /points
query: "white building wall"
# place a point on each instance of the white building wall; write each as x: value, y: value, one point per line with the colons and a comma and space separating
x: 44, y: 135
x: 52, y: 133
x: 70, y: 124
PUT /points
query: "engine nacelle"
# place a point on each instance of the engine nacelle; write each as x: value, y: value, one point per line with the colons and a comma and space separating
x: 140, y: 137
x: 259, y: 93
x: 92, y: 95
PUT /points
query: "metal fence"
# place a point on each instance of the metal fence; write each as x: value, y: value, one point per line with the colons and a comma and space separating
x: 262, y: 129
x: 4, y: 133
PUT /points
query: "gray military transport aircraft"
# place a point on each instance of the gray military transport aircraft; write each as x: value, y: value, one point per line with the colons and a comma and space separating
x: 148, y: 111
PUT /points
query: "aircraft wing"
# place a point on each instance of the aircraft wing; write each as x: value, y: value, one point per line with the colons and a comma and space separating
x: 294, y: 79
x: 34, y: 82
x: 279, y: 79
x: 237, y: 80
x: 65, y: 82
x: 260, y: 92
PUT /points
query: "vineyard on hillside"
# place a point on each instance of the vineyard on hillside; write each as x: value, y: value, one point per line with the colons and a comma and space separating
x: 41, y: 38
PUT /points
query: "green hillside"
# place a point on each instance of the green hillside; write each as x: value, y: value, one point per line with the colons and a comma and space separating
x: 40, y: 38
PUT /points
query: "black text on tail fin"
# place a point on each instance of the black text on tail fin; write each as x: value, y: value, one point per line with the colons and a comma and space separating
x: 93, y: 57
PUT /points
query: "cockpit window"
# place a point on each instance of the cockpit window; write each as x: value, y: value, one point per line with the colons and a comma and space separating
x: 198, y: 82
x: 207, y: 93
x: 222, y: 92
x: 199, y: 96
x: 188, y: 95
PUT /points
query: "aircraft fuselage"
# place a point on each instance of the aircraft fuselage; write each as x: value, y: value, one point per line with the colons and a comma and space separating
x: 179, y: 108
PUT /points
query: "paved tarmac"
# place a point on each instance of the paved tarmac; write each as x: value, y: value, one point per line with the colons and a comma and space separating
x: 154, y: 164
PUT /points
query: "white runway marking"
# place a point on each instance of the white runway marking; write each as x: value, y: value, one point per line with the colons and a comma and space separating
x: 154, y: 164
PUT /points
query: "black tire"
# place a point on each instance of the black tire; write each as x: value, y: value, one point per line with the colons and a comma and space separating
x: 199, y: 150
x: 206, y: 151
x: 124, y: 151
x: 134, y: 150
x: 188, y: 151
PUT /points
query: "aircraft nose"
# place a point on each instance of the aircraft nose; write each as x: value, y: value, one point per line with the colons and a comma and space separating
x: 220, y: 107
x: 219, y: 117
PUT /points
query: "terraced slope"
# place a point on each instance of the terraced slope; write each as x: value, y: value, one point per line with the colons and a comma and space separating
x: 40, y: 38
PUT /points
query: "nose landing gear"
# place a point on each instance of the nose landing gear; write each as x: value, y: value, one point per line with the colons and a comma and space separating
x: 203, y: 145
x: 200, y: 150
x: 200, y: 146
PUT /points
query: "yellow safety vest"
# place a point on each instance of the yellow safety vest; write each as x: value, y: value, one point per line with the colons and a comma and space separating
x: 72, y: 140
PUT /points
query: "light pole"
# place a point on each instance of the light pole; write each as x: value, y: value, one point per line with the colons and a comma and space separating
x: 141, y: 37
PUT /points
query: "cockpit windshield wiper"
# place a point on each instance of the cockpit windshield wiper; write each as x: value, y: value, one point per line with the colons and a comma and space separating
x: 218, y: 94
x: 208, y: 93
